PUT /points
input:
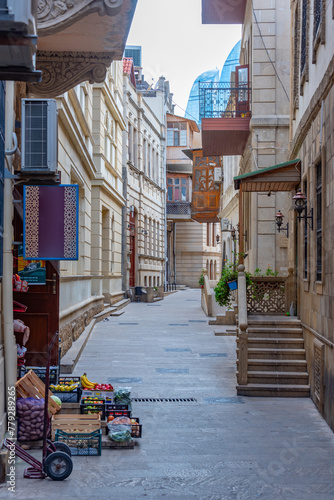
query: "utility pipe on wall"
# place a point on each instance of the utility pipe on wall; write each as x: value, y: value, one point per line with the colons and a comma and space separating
x: 7, y: 280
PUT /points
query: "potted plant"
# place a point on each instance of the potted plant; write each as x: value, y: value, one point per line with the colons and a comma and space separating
x: 201, y: 281
x: 228, y: 282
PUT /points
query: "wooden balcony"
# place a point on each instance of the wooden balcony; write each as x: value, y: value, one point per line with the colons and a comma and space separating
x: 205, y: 193
x: 224, y: 136
x: 223, y: 11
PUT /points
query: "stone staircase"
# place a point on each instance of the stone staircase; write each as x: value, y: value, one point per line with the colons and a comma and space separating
x: 276, y: 358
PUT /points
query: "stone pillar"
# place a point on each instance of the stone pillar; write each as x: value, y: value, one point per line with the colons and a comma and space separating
x: 242, y: 327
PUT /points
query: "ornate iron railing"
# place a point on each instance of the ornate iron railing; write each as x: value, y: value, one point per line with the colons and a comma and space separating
x: 267, y: 295
x: 179, y: 208
x: 220, y: 100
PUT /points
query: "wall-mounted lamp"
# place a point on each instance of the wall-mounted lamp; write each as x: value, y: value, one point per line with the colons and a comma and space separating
x: 217, y: 238
x: 279, y: 221
x: 300, y: 207
x: 233, y: 233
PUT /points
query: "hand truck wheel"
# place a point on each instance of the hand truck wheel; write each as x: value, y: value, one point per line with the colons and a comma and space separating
x: 58, y: 465
x: 59, y: 446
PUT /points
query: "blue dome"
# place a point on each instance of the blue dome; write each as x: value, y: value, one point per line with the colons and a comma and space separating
x: 231, y: 62
x: 192, y: 111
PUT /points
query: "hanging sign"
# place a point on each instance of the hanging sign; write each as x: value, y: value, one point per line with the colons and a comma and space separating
x: 50, y: 222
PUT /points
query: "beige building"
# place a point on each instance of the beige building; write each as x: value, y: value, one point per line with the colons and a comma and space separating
x: 145, y: 158
x: 312, y: 141
x: 71, y: 50
x: 90, y: 155
x: 254, y: 124
x: 191, y: 246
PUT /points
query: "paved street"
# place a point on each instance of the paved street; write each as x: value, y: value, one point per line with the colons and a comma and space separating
x: 218, y: 447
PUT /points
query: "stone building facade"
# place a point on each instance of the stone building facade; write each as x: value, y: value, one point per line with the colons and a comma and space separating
x: 312, y: 141
x: 144, y: 176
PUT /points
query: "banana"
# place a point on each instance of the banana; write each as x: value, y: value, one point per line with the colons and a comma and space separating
x: 86, y: 383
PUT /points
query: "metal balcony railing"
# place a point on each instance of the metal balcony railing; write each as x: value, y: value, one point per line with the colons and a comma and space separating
x: 179, y: 208
x: 220, y: 100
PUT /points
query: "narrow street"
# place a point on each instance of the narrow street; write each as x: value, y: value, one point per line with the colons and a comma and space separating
x: 218, y: 446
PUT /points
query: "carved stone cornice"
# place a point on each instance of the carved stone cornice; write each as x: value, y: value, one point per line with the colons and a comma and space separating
x: 56, y: 15
x: 64, y: 70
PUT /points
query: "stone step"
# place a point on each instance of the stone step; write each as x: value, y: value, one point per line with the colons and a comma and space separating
x: 224, y: 319
x: 258, y: 353
x: 277, y: 365
x: 278, y: 343
x: 275, y: 322
x: 284, y: 365
x: 271, y: 377
x: 274, y: 390
x: 275, y: 332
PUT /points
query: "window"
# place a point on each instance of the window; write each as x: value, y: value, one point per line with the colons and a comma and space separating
x: 157, y: 168
x: 318, y: 185
x: 208, y: 234
x: 304, y: 42
x: 158, y: 239
x: 305, y: 238
x: 135, y: 147
x: 149, y: 160
x: 176, y: 134
x: 145, y: 156
x: 177, y: 189
x: 317, y: 16
x: 130, y: 139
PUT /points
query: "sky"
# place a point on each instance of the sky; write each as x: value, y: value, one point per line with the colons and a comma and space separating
x: 177, y: 46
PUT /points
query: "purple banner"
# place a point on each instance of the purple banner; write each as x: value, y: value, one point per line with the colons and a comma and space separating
x: 50, y: 222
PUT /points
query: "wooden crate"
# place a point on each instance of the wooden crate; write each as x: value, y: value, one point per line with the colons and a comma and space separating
x: 31, y: 386
x: 75, y: 423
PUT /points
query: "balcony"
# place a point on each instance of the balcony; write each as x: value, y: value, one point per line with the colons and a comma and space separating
x: 223, y: 11
x: 206, y: 191
x: 225, y: 112
x: 180, y: 210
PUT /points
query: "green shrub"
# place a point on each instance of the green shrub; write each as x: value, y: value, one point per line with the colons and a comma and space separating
x: 222, y: 290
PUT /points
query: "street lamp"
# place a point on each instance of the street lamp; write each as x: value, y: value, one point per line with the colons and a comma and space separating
x: 300, y: 207
x: 279, y: 221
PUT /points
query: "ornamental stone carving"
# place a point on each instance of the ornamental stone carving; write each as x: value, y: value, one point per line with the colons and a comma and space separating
x: 64, y: 70
x: 56, y: 15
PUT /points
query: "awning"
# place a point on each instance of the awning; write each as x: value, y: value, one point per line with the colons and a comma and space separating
x: 281, y: 177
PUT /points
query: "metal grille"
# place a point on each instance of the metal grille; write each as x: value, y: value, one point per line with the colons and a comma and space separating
x: 319, y: 220
x: 36, y: 134
x: 178, y: 208
x: 304, y: 37
x: 2, y: 165
x: 164, y: 400
x: 220, y: 100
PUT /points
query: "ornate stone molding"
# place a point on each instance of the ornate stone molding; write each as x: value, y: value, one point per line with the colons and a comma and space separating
x: 64, y: 70
x: 56, y: 15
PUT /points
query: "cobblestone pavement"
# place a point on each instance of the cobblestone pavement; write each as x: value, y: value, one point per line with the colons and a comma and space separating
x: 219, y: 447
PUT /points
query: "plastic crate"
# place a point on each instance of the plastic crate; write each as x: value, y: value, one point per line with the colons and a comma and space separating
x: 68, y: 397
x: 136, y: 430
x: 91, y: 409
x: 115, y: 406
x: 81, y: 443
x: 106, y: 395
x: 118, y: 413
x: 40, y: 372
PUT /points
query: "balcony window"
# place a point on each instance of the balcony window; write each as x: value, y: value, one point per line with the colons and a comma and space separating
x: 177, y: 189
x: 303, y: 48
x: 176, y: 134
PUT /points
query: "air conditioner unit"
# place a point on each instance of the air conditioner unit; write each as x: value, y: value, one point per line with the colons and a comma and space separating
x: 39, y: 134
x: 18, y: 39
x: 225, y: 224
x: 217, y: 173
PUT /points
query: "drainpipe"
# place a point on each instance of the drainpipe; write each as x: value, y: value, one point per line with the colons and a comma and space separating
x: 7, y: 280
x: 125, y: 280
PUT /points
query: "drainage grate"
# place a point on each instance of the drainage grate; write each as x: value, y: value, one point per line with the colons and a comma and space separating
x: 164, y: 400
x: 213, y: 355
x: 197, y: 321
x: 153, y: 305
x: 128, y: 323
x: 221, y: 401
